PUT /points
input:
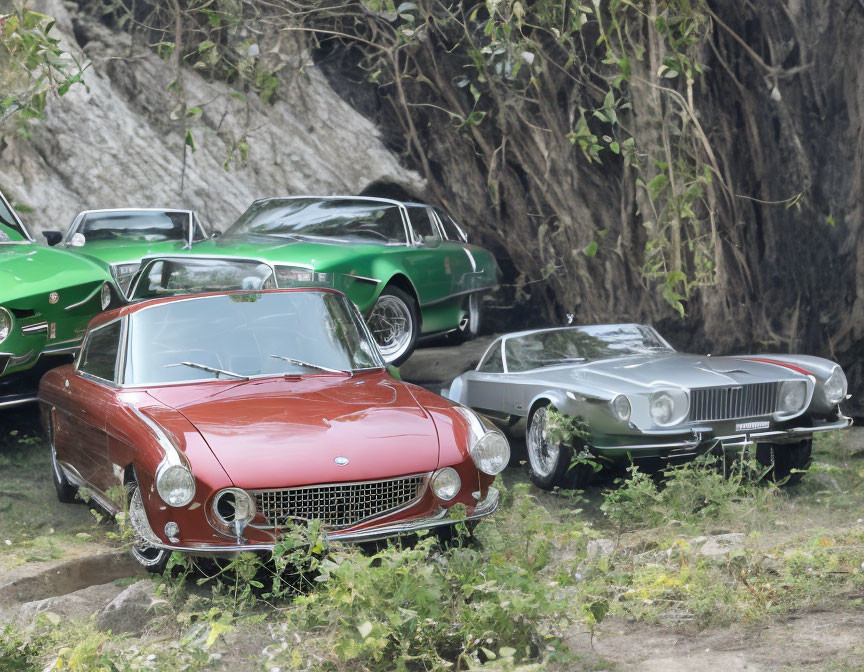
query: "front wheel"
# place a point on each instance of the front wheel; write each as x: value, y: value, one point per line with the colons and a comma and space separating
x: 551, y: 462
x: 395, y: 325
x: 152, y: 559
x: 469, y: 326
x: 786, y: 461
x: 66, y: 492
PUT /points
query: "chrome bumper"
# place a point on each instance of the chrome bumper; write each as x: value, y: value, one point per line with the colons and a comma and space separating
x: 741, y: 439
x: 485, y: 508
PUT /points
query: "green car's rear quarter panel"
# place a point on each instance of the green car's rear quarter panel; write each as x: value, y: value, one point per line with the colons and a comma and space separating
x: 28, y: 275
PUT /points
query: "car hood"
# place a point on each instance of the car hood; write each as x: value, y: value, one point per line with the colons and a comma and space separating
x: 276, y: 433
x: 280, y: 250
x: 31, y: 269
x: 647, y: 372
x: 113, y: 251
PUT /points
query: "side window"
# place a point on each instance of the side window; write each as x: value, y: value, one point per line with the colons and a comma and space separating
x: 421, y: 222
x: 450, y: 229
x: 99, y: 356
x: 493, y: 362
x: 198, y: 232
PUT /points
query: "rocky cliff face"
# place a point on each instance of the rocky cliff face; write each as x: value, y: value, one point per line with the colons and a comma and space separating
x: 115, y: 144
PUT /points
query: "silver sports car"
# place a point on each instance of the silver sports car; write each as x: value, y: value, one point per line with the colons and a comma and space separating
x: 635, y: 397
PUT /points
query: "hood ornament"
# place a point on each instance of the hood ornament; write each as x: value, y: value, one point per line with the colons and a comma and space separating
x: 341, y: 461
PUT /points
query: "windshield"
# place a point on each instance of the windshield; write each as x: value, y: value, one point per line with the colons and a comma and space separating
x: 170, y: 277
x: 10, y: 231
x: 332, y: 220
x: 238, y: 335
x: 146, y: 226
x: 579, y: 344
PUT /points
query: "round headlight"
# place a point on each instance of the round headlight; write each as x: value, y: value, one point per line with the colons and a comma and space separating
x: 835, y: 387
x: 446, y: 483
x: 491, y: 453
x: 105, y: 296
x: 175, y: 485
x: 793, y: 395
x: 233, y: 506
x: 662, y: 408
x: 5, y: 324
x: 621, y: 408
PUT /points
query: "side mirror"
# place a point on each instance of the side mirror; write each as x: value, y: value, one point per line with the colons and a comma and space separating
x: 431, y: 241
x: 52, y: 237
x: 77, y: 240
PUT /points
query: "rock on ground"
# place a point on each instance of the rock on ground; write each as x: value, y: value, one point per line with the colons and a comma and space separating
x: 78, y: 605
x: 131, y: 610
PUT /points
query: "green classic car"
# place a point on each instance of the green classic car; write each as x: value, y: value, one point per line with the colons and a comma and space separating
x: 47, y: 298
x: 121, y: 237
x: 407, y: 266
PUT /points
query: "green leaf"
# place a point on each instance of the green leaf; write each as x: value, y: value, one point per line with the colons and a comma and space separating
x: 364, y: 629
x: 591, y: 249
x: 189, y: 141
x: 192, y: 111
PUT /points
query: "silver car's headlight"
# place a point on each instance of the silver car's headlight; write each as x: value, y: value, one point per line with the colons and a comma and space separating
x: 668, y: 407
x: 105, y: 296
x: 5, y: 324
x: 299, y: 276
x: 835, y: 387
x: 793, y: 396
x: 175, y: 484
x: 489, y: 448
x: 621, y: 408
x: 123, y: 274
x: 446, y: 483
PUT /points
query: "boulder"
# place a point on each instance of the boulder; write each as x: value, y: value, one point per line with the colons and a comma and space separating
x: 131, y: 610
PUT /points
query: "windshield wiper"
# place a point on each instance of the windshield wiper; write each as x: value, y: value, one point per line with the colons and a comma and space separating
x: 310, y: 236
x: 211, y: 369
x: 309, y: 365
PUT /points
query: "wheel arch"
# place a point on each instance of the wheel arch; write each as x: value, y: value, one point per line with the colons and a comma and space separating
x: 403, y: 282
x: 547, y: 398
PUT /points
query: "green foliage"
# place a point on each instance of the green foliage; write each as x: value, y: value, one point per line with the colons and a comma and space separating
x: 704, y: 489
x: 33, y: 66
x: 18, y: 652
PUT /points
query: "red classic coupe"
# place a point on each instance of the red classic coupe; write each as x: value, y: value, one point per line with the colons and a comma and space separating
x: 222, y: 418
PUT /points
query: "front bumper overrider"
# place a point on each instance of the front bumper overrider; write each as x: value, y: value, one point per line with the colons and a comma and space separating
x: 697, y: 439
x: 441, y: 518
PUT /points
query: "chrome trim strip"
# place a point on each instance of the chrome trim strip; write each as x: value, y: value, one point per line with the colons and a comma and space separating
x: 73, y: 227
x: 172, y: 453
x: 360, y: 277
x: 35, y: 328
x: 76, y: 479
x: 83, y: 301
x: 17, y: 402
x: 453, y: 296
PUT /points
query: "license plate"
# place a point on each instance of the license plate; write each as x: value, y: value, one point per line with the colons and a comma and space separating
x: 748, y: 426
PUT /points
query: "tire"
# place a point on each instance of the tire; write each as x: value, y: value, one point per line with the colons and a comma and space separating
x: 151, y: 559
x: 395, y: 324
x: 66, y: 492
x: 783, y: 458
x: 550, y: 464
x: 474, y: 320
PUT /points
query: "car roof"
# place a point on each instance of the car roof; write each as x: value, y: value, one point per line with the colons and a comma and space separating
x: 107, y: 210
x: 129, y: 309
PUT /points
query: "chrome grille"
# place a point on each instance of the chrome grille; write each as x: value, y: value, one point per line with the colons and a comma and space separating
x: 730, y: 403
x: 339, y: 504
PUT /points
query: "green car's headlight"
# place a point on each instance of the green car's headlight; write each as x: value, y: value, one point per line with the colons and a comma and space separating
x: 123, y: 274
x: 105, y: 296
x: 5, y: 324
x: 299, y: 276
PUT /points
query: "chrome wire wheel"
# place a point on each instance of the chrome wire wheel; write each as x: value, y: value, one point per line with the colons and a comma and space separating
x: 474, y: 314
x: 542, y: 453
x: 392, y: 325
x: 152, y: 558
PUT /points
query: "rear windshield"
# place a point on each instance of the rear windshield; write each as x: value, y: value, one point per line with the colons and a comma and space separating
x: 169, y: 277
x: 329, y: 220
x: 145, y: 226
